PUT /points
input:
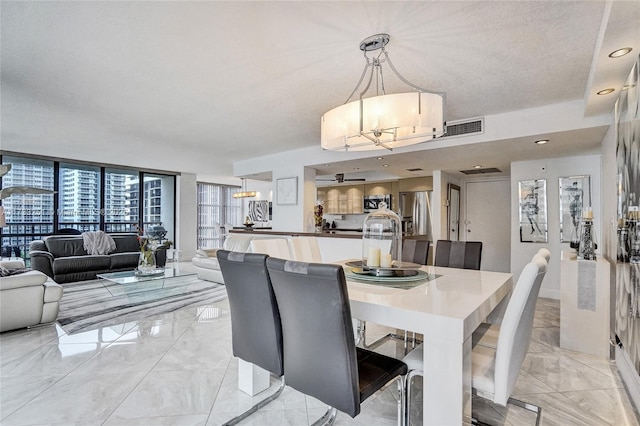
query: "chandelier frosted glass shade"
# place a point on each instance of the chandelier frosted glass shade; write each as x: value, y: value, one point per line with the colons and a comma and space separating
x: 244, y: 193
x: 384, y: 122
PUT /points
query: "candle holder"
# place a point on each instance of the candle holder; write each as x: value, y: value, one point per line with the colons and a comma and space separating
x: 588, y: 246
x: 381, y: 239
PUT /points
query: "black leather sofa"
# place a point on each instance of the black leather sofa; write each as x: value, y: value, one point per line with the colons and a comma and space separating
x: 63, y: 257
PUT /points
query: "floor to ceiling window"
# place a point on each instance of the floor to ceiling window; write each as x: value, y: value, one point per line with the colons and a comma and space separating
x: 87, y: 197
x: 79, y: 197
x: 28, y: 216
x: 158, y: 204
x: 217, y: 211
x: 120, y: 207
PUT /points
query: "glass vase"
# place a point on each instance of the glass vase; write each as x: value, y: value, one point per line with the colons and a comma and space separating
x: 146, y: 262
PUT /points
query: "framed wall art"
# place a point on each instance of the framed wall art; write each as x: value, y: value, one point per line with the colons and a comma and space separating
x: 533, y: 210
x: 287, y: 191
x: 575, y: 195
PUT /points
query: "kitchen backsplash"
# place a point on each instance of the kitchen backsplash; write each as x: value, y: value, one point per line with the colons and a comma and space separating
x: 345, y: 221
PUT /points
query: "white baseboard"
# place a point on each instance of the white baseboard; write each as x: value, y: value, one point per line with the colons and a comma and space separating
x: 629, y: 376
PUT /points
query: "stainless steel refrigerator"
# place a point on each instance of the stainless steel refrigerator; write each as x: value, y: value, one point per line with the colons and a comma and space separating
x: 415, y: 212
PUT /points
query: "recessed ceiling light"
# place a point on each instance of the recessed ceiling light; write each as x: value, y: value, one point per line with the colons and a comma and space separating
x: 606, y: 91
x: 385, y: 165
x: 379, y: 158
x: 541, y: 141
x: 477, y: 166
x: 620, y: 52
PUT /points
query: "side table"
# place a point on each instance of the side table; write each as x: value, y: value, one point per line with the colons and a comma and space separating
x: 584, y: 304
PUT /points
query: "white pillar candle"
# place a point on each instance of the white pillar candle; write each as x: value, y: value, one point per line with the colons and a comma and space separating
x: 385, y: 260
x: 374, y: 257
x: 588, y: 213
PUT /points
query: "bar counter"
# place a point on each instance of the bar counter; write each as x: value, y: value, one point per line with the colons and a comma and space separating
x: 333, y: 233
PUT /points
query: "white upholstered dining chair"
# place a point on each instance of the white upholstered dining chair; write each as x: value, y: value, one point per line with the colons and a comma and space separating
x: 487, y: 333
x: 496, y: 370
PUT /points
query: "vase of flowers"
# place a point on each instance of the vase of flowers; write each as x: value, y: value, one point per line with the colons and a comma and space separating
x: 317, y: 216
x: 147, y: 258
x: 146, y: 262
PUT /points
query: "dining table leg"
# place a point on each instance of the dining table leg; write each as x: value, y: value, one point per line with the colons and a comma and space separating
x: 447, y: 382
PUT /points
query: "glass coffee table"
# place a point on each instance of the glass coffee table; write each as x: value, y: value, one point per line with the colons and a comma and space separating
x: 118, y: 283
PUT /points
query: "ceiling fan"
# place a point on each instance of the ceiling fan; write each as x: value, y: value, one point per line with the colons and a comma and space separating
x: 340, y: 178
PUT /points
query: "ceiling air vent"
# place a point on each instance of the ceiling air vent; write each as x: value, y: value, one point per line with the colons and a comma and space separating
x: 418, y: 169
x: 481, y: 171
x: 464, y: 127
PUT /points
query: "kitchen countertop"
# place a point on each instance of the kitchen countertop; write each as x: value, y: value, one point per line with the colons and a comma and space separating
x: 331, y: 233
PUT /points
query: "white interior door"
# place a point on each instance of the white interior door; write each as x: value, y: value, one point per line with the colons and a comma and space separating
x: 488, y: 219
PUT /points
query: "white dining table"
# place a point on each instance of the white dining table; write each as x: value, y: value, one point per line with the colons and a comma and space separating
x: 446, y: 310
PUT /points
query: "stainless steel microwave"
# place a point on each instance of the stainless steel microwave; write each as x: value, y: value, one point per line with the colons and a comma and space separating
x: 372, y: 202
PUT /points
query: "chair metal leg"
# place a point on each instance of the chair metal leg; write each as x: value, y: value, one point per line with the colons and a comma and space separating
x: 362, y: 339
x: 527, y: 406
x: 327, y: 418
x: 402, y: 400
x: 407, y: 397
x: 257, y: 406
x: 517, y: 403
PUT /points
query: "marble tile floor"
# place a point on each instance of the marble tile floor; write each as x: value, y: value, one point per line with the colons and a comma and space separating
x: 177, y: 369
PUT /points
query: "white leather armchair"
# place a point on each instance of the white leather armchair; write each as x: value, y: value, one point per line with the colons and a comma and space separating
x: 27, y: 299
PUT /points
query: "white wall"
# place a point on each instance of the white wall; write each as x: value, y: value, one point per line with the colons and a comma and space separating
x: 187, y: 215
x: 551, y: 170
x: 298, y: 217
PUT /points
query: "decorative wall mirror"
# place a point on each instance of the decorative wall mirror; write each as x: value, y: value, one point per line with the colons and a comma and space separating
x: 453, y: 212
x: 575, y: 195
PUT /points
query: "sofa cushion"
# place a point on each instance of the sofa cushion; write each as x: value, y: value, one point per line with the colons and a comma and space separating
x: 65, y: 246
x: 66, y: 265
x: 124, y: 260
x: 126, y: 243
x: 237, y: 243
x: 31, y: 278
x: 207, y: 252
x: 206, y: 262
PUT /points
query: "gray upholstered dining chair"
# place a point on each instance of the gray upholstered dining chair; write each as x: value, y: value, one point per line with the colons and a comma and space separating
x: 256, y: 328
x: 495, y: 371
x: 415, y: 251
x: 320, y: 356
x: 458, y: 254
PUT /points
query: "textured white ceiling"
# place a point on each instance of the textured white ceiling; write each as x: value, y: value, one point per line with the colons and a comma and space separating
x: 196, y: 86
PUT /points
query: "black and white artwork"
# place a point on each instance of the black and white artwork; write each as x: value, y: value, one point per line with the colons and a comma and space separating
x: 575, y: 196
x: 259, y: 211
x: 533, y: 211
x: 287, y: 191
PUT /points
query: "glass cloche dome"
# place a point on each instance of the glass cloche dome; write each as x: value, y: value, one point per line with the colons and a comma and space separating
x: 381, y: 239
